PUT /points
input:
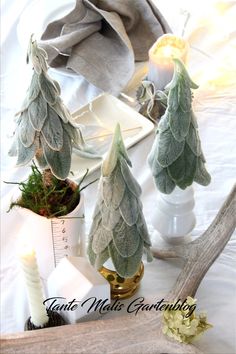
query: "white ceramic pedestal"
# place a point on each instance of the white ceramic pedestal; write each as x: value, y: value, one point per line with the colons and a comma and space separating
x: 75, y: 278
x: 55, y: 238
x: 173, y: 217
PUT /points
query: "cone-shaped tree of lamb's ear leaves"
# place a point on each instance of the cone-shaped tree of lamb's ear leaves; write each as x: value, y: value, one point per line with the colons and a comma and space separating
x: 45, y: 124
x: 176, y: 157
x: 118, y: 229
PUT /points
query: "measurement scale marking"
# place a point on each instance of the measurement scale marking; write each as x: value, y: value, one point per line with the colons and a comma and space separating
x: 59, y: 239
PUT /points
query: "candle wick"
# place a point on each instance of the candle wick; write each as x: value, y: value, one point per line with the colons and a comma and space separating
x: 185, y: 24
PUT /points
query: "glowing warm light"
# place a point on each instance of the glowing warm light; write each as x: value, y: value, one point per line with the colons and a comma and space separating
x: 168, y: 51
x: 168, y: 47
x: 161, y: 56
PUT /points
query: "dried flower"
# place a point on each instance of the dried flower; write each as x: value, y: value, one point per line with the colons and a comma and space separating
x: 184, y: 328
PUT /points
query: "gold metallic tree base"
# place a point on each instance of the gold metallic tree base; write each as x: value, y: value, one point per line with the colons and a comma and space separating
x: 122, y: 288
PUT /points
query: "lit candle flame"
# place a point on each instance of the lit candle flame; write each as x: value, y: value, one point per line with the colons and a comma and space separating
x: 161, y: 55
x: 168, y: 51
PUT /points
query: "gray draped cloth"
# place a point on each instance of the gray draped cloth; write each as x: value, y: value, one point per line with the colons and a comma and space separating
x: 102, y: 39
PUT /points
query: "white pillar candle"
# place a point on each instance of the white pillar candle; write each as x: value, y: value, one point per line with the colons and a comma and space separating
x: 38, y: 312
x: 161, y: 54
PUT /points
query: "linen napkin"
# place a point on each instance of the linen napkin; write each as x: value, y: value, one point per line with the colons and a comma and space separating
x: 102, y: 39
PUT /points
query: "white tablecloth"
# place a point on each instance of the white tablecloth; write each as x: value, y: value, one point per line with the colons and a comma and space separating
x: 214, y: 104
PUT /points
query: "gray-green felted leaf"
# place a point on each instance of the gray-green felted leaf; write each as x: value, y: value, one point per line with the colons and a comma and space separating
x: 149, y: 254
x: 173, y: 82
x: 123, y: 151
x: 126, y: 239
x: 61, y: 110
x: 97, y: 218
x: 184, y: 96
x: 162, y: 179
x: 81, y: 148
x: 13, y: 149
x: 101, y: 239
x: 130, y: 181
x: 142, y: 229
x: 182, y: 171
x: 91, y: 255
x: 34, y: 88
x: 193, y: 140
x: 24, y: 106
x: 201, y: 175
x: 42, y: 56
x: 110, y: 161
x: 169, y: 149
x: 110, y: 216
x: 152, y: 157
x: 202, y: 156
x: 179, y: 123
x: 36, y: 65
x: 80, y: 142
x: 57, y: 86
x: 52, y: 130
x: 194, y: 120
x: 126, y: 267
x: 26, y: 132
x: 37, y: 111
x: 48, y: 89
x: 24, y: 155
x: 117, y: 148
x: 164, y: 122
x: 180, y: 68
x: 37, y: 55
x: 172, y: 101
x: 59, y: 161
x: 71, y: 131
x: 129, y: 208
x: 101, y: 258
x: 113, y: 188
x: 41, y: 161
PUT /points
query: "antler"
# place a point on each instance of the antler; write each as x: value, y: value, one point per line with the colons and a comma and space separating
x: 141, y: 333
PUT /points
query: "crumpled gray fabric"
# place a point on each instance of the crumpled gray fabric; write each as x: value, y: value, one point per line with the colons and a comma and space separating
x: 102, y: 39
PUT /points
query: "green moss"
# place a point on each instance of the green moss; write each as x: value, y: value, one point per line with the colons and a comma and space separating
x: 56, y: 199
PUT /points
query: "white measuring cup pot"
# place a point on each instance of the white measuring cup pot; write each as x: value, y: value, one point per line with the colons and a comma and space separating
x: 55, y: 238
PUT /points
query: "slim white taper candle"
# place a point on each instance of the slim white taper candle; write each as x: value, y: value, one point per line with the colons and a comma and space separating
x: 38, y: 312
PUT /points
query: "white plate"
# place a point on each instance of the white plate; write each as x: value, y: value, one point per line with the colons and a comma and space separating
x: 99, y: 118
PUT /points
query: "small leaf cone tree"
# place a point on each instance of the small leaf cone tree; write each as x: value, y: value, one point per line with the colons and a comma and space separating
x: 118, y: 230
x: 44, y: 130
x: 176, y: 158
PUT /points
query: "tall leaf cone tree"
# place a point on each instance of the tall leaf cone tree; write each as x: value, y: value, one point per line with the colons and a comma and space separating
x: 44, y: 129
x: 176, y: 157
x: 46, y: 134
x: 118, y: 229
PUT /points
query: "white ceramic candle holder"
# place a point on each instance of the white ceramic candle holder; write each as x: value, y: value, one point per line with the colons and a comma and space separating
x: 55, y: 238
x: 174, y: 218
x: 75, y: 278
